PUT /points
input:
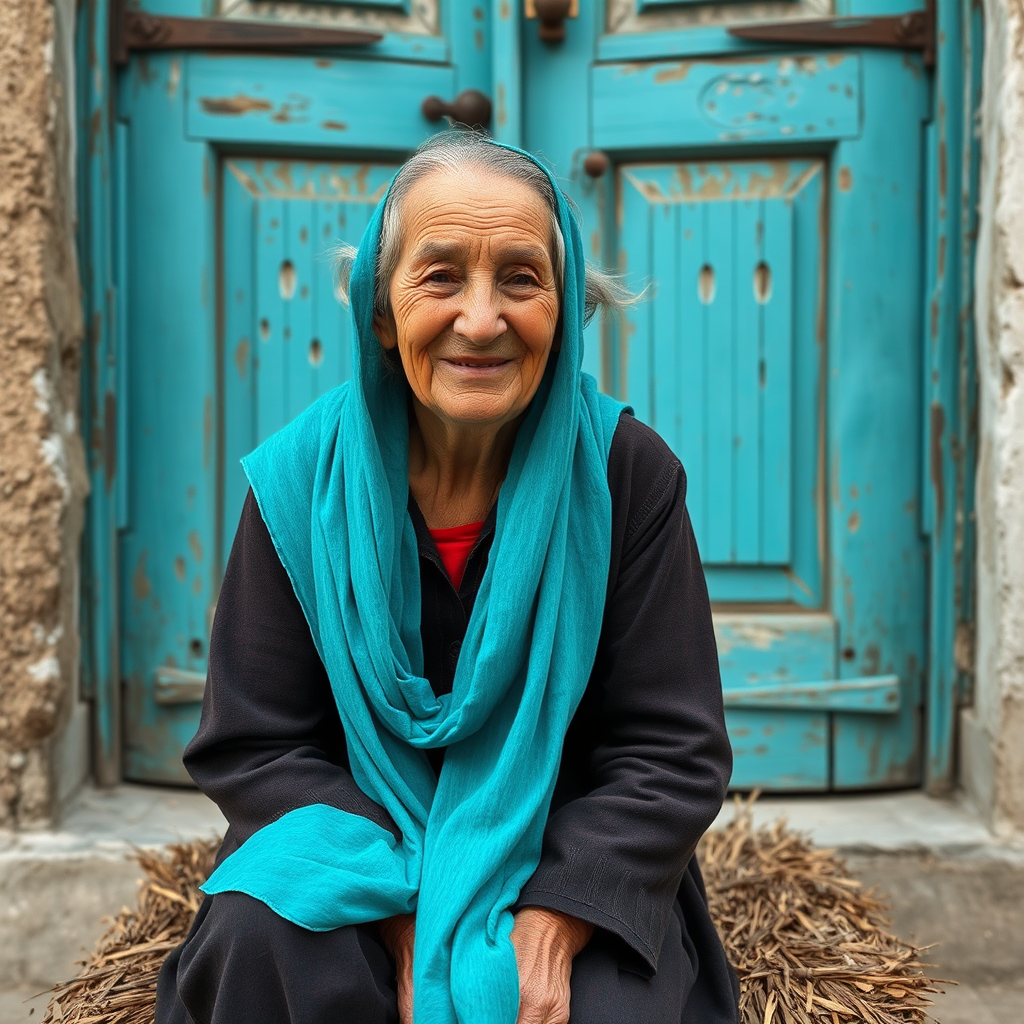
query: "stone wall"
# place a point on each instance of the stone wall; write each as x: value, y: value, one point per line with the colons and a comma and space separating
x: 992, y: 747
x: 42, y: 476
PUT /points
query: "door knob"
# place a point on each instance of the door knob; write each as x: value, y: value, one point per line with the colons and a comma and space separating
x: 595, y: 163
x: 552, y: 14
x: 471, y: 107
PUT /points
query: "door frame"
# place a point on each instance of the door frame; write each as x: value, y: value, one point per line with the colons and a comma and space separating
x: 486, y: 50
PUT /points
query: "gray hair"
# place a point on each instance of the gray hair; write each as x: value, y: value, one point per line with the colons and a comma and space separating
x: 455, y: 151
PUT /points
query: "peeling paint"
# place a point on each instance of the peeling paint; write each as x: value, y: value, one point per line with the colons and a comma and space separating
x: 234, y: 106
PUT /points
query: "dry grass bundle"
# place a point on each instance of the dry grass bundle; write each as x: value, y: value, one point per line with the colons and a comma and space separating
x: 117, y: 984
x: 809, y: 946
x: 807, y: 943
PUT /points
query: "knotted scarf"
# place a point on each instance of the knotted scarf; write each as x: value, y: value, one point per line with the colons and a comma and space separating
x: 333, y: 488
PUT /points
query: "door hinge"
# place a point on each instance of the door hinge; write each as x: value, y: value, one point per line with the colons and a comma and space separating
x: 914, y: 30
x: 137, y: 31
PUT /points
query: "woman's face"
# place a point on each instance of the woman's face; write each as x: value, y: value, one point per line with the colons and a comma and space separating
x: 473, y: 298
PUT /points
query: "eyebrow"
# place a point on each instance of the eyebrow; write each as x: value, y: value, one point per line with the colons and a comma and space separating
x: 441, y: 250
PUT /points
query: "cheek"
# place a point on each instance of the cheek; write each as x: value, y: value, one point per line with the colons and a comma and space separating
x: 535, y: 324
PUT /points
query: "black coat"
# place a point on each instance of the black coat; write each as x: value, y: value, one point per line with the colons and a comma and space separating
x: 646, y: 759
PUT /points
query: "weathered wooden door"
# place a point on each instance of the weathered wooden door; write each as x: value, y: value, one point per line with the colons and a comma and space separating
x: 768, y: 194
x: 240, y: 172
x: 770, y: 197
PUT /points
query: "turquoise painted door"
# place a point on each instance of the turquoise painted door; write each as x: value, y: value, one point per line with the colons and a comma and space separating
x: 237, y: 176
x: 769, y: 200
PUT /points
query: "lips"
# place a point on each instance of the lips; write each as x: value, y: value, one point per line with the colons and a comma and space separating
x: 477, y: 362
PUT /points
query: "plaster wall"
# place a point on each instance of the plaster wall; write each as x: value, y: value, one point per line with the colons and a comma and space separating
x: 42, y: 473
x: 992, y: 743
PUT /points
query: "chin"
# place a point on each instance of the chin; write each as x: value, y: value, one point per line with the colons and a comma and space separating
x: 477, y: 411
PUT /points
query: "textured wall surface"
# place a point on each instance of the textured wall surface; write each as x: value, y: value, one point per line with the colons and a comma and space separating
x: 42, y: 478
x: 993, y: 747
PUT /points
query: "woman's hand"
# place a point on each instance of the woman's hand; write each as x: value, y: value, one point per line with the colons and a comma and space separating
x: 399, y: 935
x: 545, y: 942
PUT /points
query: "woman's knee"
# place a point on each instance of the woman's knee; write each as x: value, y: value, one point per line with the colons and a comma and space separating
x: 244, y: 961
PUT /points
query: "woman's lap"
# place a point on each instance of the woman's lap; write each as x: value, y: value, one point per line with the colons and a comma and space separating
x: 242, y: 961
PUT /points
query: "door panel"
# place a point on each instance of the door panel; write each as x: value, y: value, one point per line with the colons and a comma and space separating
x: 288, y: 337
x: 707, y: 102
x: 722, y: 358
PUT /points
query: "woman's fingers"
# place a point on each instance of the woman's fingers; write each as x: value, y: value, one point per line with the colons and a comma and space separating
x: 405, y: 996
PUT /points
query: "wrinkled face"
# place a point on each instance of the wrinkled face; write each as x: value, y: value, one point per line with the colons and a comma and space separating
x: 473, y: 298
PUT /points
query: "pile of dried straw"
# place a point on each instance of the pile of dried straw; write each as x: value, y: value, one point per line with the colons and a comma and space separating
x: 808, y: 945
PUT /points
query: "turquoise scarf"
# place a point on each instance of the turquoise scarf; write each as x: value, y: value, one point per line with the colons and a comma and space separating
x: 333, y: 490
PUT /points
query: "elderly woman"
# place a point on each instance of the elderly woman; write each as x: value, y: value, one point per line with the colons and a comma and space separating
x: 464, y: 714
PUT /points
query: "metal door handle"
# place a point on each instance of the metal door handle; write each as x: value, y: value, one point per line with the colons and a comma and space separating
x: 471, y: 107
x: 139, y: 31
x: 914, y: 30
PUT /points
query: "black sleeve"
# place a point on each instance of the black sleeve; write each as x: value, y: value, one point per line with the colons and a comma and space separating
x: 270, y: 739
x: 650, y: 731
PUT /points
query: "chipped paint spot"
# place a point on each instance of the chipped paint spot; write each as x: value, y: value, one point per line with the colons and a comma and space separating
x: 853, y: 523
x: 195, y: 545
x: 595, y: 243
x: 173, y: 78
x: 478, y: 39
x: 502, y: 113
x: 179, y: 568
x: 287, y: 280
x: 242, y: 357
x: 109, y: 439
x: 334, y: 126
x: 938, y: 427
x: 844, y: 179
x: 207, y: 431
x: 197, y: 586
x: 234, y: 106
x: 672, y: 74
x: 142, y: 586
x: 322, y: 63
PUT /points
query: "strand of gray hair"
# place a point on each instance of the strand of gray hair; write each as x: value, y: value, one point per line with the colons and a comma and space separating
x: 459, y: 150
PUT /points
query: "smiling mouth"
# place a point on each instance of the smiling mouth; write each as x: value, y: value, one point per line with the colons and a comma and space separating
x: 477, y: 362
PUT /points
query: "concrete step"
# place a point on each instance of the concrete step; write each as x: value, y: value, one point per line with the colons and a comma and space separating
x: 950, y: 881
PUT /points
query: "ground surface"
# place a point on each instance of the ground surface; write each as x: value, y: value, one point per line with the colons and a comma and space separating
x: 995, y: 1004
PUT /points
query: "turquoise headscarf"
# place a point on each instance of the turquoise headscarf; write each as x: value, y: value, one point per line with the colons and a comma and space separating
x: 333, y: 490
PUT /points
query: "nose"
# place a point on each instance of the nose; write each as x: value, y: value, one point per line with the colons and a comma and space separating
x: 480, y: 318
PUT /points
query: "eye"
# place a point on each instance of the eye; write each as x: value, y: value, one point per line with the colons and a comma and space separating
x: 522, y: 279
x: 441, y: 277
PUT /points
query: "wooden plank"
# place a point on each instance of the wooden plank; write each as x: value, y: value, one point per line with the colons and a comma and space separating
x: 239, y: 343
x: 665, y: 412
x: 301, y: 101
x: 692, y: 381
x: 749, y: 496
x: 719, y: 299
x: 635, y: 262
x: 507, y: 73
x: 272, y: 326
x: 779, y: 751
x: 690, y: 103
x: 101, y: 393
x: 773, y: 649
x: 302, y: 376
x: 168, y: 575
x: 876, y: 695
x: 776, y: 384
x: 879, y: 582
